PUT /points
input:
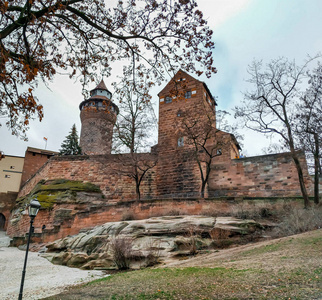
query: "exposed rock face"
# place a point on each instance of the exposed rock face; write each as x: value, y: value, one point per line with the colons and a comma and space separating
x: 150, y: 240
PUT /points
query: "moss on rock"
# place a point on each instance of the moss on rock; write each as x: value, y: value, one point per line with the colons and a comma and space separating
x: 52, y: 191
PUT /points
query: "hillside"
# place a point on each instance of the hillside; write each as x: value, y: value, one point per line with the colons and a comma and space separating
x: 285, y: 268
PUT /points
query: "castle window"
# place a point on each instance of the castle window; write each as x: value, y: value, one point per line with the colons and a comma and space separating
x: 181, y: 141
x: 219, y: 152
x: 12, y: 167
x: 187, y: 94
x: 168, y: 99
x: 6, y: 176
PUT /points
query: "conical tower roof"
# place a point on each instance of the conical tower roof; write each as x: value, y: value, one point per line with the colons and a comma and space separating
x: 101, y: 86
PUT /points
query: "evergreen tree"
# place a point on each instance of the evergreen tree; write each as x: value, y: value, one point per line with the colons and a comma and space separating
x: 70, y: 145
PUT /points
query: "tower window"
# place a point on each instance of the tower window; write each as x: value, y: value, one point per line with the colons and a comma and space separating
x: 187, y: 94
x: 6, y: 176
x: 181, y: 141
x: 12, y: 167
x: 168, y: 99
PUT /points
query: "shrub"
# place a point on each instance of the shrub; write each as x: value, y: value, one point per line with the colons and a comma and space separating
x: 299, y: 220
x: 122, y: 252
x: 252, y: 211
x: 193, y: 234
x: 128, y: 216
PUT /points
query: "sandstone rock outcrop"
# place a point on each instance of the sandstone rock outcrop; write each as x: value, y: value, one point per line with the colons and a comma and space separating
x: 151, y: 240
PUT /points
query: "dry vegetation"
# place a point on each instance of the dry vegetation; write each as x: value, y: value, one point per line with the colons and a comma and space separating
x: 283, y: 268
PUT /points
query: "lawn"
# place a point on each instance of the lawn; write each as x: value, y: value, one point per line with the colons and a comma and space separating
x: 286, y: 268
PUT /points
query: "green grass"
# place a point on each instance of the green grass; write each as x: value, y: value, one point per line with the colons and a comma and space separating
x: 261, y: 273
x: 200, y: 283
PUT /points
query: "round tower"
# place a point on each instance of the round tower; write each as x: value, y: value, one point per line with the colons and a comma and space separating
x: 98, y: 115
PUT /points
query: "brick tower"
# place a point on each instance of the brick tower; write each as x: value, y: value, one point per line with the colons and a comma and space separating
x: 178, y: 173
x: 98, y: 115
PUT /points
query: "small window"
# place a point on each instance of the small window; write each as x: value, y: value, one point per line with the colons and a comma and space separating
x: 100, y: 104
x: 219, y: 152
x: 168, y: 99
x: 6, y: 176
x: 12, y: 167
x: 179, y: 113
x: 187, y: 94
x: 33, y: 154
x: 180, y: 141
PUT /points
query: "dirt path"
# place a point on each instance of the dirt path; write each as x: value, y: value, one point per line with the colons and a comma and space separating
x: 42, y: 278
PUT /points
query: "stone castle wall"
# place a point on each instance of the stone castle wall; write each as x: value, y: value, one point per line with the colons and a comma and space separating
x: 69, y: 219
x: 97, y: 130
x: 272, y: 175
x: 32, y: 163
x: 7, y: 202
x: 177, y: 170
x: 109, y: 172
x: 233, y: 179
x: 173, y: 184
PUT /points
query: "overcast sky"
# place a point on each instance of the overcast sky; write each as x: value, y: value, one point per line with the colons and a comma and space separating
x: 243, y: 30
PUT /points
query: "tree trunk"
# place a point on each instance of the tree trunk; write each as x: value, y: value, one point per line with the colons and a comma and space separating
x: 301, y: 179
x: 316, y: 169
x: 203, y: 186
x: 138, y: 194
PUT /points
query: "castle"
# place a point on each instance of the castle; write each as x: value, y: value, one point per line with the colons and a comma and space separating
x: 176, y: 170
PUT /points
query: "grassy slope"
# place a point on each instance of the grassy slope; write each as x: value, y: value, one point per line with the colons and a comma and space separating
x: 287, y: 268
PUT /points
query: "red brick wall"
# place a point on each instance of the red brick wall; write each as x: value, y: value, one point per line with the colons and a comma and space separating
x: 7, y: 203
x: 260, y: 176
x: 80, y: 218
x: 106, y: 171
x: 32, y: 163
x: 97, y: 130
x: 177, y: 171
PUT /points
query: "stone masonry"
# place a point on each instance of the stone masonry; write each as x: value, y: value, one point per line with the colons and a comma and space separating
x: 173, y: 184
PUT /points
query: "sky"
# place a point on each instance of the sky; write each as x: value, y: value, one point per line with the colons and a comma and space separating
x: 243, y: 30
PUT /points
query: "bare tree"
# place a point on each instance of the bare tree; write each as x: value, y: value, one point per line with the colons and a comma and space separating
x: 136, y: 166
x: 39, y: 38
x: 134, y: 129
x: 309, y: 125
x: 136, y: 122
x: 271, y: 107
x: 206, y: 140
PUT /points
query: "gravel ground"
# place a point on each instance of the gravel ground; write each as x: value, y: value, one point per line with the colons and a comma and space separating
x: 42, y: 278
